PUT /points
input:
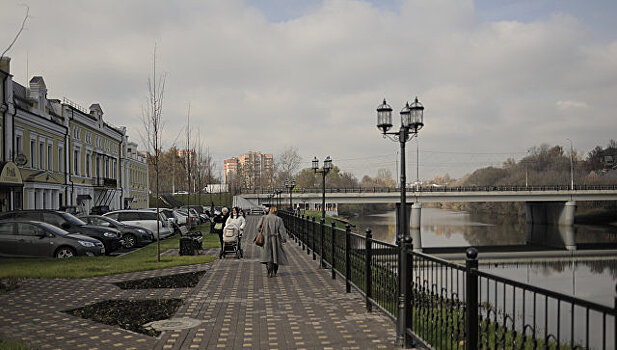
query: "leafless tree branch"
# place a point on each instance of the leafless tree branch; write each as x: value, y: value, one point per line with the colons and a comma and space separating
x: 23, y: 25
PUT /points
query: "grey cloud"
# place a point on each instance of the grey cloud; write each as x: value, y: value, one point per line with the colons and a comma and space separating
x: 316, y: 79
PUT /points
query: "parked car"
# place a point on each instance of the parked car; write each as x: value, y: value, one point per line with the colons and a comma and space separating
x: 110, y: 237
x: 193, y: 218
x: 144, y: 218
x: 182, y: 218
x: 70, y: 209
x: 132, y: 236
x: 99, y: 209
x: 200, y: 210
x: 171, y: 215
x: 33, y: 238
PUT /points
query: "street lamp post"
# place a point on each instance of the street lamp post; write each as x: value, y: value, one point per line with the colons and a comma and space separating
x: 412, y: 117
x: 290, y: 186
x: 327, y: 166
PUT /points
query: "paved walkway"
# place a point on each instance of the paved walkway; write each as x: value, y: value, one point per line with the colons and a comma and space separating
x: 239, y: 306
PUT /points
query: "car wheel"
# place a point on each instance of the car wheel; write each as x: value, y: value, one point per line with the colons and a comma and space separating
x: 65, y: 252
x: 129, y: 241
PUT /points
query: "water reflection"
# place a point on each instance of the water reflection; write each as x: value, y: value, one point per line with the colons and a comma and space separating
x: 590, y: 280
x: 443, y: 228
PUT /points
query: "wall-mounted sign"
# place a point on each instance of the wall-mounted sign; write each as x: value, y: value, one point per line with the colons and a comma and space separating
x: 21, y: 160
x: 10, y: 174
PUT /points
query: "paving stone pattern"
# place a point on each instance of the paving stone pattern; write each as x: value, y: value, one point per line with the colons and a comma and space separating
x: 239, y: 306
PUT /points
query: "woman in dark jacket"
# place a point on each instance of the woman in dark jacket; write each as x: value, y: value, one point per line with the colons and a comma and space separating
x: 220, y: 220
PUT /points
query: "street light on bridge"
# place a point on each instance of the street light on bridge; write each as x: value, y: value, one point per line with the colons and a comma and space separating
x: 571, y: 165
x: 412, y: 120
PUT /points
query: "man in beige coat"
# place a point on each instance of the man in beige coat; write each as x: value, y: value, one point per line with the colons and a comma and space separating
x: 275, y: 234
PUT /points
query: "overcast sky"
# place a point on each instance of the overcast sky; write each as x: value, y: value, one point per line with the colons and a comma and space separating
x: 496, y: 76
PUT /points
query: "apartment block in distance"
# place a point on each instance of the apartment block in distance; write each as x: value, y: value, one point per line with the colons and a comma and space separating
x: 252, y: 167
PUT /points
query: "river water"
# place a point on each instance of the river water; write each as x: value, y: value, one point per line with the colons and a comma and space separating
x: 593, y: 280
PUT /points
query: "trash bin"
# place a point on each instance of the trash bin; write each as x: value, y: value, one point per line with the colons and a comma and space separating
x: 198, y: 242
x: 187, y: 246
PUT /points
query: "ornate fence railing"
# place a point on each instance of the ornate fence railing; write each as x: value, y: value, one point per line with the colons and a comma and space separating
x: 455, y: 306
x: 501, y: 188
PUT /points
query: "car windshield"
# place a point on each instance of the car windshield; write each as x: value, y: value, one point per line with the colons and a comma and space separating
x: 72, y: 219
x: 53, y: 229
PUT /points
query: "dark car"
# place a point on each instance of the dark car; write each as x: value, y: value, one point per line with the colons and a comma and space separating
x: 131, y: 235
x: 33, y: 238
x: 99, y: 209
x: 110, y: 237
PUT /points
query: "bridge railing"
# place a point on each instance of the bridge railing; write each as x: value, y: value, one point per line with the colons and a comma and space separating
x: 431, y: 189
x: 455, y: 306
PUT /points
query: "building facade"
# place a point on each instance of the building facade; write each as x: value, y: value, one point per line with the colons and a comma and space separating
x: 65, y: 155
x: 251, y: 168
x: 135, y: 168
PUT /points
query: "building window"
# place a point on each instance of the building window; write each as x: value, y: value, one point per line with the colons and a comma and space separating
x: 76, y: 162
x: 87, y: 164
x: 50, y: 156
x: 18, y: 146
x: 33, y: 153
x: 41, y: 155
x: 60, y: 159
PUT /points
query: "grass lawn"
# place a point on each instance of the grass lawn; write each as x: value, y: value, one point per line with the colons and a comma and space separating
x: 82, y: 267
x: 12, y: 345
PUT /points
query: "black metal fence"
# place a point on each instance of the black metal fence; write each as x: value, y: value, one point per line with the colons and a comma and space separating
x: 455, y: 306
x: 503, y: 188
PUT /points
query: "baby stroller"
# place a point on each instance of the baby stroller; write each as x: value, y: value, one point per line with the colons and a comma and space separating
x: 232, y: 237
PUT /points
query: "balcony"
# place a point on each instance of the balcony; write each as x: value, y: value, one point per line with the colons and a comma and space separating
x: 106, y: 182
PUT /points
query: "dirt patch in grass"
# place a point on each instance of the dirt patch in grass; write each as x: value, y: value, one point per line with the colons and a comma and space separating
x: 129, y: 314
x: 8, y: 284
x: 181, y: 280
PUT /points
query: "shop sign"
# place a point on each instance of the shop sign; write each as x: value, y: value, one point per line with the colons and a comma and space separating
x: 10, y: 174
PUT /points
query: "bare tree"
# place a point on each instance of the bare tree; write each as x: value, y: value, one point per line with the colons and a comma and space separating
x: 287, y: 164
x: 152, y: 121
x: 21, y: 29
x: 189, y: 154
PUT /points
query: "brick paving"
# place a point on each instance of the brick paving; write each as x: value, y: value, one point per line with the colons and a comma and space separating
x: 238, y: 305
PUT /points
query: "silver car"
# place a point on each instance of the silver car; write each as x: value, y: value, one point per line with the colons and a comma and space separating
x: 34, y: 238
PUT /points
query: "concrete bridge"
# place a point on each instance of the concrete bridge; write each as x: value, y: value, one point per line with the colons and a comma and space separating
x: 545, y: 204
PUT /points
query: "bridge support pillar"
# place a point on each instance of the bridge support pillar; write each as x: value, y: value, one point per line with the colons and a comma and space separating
x: 416, y: 210
x: 556, y: 236
x: 551, y: 213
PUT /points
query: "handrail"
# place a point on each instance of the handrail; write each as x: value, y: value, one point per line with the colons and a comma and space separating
x: 446, y: 295
x: 431, y: 189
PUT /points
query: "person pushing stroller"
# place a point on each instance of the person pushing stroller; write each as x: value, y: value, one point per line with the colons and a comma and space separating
x: 236, y: 220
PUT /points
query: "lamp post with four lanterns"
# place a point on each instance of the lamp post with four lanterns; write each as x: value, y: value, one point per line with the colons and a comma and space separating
x: 412, y: 120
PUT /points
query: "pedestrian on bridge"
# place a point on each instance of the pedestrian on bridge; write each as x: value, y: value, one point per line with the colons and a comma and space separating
x: 275, y: 237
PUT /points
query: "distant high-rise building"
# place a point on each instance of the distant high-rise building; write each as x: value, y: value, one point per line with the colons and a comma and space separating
x: 252, y: 167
